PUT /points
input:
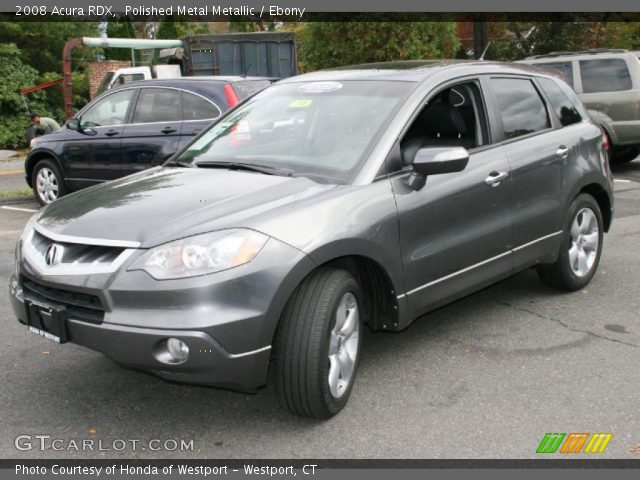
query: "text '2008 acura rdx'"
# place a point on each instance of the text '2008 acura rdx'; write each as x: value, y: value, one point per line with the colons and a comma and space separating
x: 329, y: 201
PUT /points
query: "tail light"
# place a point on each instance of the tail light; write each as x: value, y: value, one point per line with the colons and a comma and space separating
x: 230, y: 95
x: 240, y: 134
x: 605, y: 155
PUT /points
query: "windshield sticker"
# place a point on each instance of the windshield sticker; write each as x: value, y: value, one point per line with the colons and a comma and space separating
x: 301, y: 103
x: 320, y: 87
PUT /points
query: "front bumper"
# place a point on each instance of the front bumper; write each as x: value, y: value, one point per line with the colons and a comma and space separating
x: 226, y: 319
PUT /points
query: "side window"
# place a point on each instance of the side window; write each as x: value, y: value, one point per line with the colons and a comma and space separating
x: 567, y: 112
x: 521, y: 108
x: 198, y: 108
x: 454, y: 117
x: 157, y: 105
x: 604, y: 75
x: 111, y: 110
x: 564, y: 69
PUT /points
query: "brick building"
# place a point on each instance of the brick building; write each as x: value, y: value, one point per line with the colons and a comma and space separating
x: 97, y: 70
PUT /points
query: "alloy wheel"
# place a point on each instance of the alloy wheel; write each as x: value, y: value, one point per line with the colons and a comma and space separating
x: 584, y: 242
x: 344, y: 341
x: 47, y: 185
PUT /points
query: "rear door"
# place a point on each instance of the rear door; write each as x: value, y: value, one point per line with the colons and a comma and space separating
x: 93, y: 153
x: 154, y: 132
x: 538, y: 153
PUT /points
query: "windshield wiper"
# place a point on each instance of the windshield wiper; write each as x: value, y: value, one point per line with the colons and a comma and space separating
x: 177, y: 163
x: 250, y: 167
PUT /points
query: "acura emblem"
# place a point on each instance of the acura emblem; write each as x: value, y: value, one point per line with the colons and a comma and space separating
x: 53, y: 255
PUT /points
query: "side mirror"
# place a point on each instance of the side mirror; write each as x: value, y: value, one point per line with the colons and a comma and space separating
x: 434, y: 161
x: 74, y: 124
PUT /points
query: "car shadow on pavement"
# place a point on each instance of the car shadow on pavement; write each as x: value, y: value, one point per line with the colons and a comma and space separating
x: 632, y: 167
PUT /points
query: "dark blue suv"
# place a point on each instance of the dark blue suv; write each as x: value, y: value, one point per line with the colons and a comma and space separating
x: 129, y: 129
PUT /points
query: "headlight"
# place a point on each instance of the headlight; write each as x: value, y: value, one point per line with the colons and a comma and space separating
x: 201, y: 254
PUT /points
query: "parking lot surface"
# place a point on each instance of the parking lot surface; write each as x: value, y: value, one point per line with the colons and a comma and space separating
x: 485, y: 377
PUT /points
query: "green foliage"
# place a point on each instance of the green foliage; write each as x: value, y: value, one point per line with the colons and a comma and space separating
x: 239, y: 23
x: 54, y: 99
x: 41, y: 43
x: 120, y: 28
x: 168, y: 30
x: 521, y: 39
x: 16, y: 76
x: 329, y: 44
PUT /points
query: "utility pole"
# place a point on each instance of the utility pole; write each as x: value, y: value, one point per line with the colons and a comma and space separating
x: 479, y: 38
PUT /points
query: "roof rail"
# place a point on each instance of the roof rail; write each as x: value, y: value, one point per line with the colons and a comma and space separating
x: 592, y: 51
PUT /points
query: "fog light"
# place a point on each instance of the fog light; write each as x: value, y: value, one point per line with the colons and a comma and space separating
x: 178, y: 349
x: 172, y: 350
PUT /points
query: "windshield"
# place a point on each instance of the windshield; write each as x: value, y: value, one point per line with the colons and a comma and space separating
x: 316, y: 129
x: 104, y: 83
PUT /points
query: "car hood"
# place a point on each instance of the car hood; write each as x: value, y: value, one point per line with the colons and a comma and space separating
x: 164, y: 204
x: 57, y: 136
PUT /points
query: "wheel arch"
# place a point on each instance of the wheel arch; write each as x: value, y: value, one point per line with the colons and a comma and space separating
x: 376, y: 281
x: 34, y: 158
x: 604, y: 202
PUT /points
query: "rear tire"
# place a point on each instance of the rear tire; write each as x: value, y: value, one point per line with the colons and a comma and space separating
x: 318, y: 343
x: 47, y: 182
x: 581, y: 247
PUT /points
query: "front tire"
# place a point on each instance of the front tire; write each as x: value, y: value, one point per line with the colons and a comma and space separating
x: 47, y: 182
x: 317, y: 347
x: 581, y: 248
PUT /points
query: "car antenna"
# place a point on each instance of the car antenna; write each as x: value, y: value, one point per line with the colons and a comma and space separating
x: 484, y: 52
x: 244, y: 73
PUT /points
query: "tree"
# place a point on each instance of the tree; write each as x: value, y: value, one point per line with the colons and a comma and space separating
x: 332, y: 44
x: 41, y: 43
x: 122, y: 27
x: 16, y: 76
x: 521, y: 39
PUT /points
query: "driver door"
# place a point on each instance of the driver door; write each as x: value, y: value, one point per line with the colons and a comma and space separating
x: 93, y: 153
x: 456, y: 231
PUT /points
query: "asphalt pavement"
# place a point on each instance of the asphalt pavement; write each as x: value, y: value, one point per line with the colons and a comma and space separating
x: 485, y: 377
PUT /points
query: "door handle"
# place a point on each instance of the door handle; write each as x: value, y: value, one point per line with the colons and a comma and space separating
x: 495, y: 178
x: 111, y: 133
x: 167, y: 130
x: 196, y: 131
x: 563, y: 151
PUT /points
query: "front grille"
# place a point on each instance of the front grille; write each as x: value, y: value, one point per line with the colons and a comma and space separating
x: 80, y: 306
x: 76, y: 253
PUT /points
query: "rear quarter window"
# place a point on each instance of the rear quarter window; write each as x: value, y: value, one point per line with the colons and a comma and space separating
x: 605, y: 75
x: 198, y: 108
x: 567, y: 112
x: 248, y: 88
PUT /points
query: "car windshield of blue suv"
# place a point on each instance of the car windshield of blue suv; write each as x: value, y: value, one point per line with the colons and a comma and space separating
x: 321, y: 129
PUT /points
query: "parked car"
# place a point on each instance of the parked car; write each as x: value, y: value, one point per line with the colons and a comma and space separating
x: 129, y: 129
x: 608, y: 83
x: 325, y: 203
